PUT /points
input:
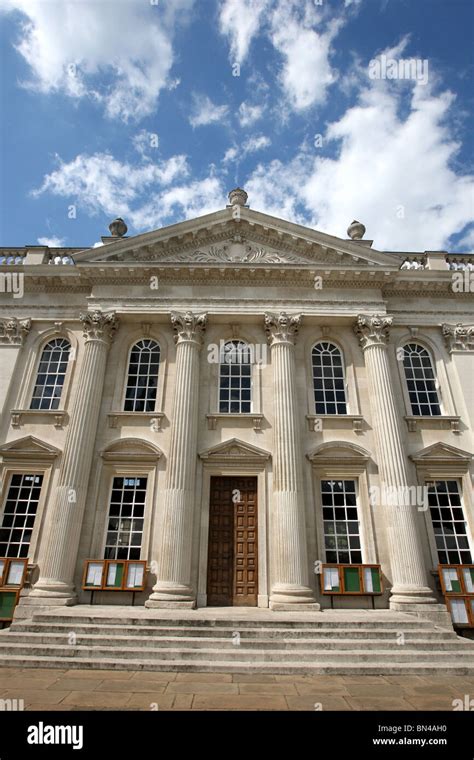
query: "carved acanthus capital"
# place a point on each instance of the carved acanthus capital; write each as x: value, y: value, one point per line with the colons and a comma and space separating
x: 458, y: 337
x: 282, y: 328
x: 372, y: 330
x: 188, y: 326
x: 14, y: 331
x: 99, y: 326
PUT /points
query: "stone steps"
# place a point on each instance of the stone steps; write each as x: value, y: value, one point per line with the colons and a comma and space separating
x: 313, y: 644
x: 398, y: 654
x: 339, y: 643
x: 223, y: 632
x: 289, y: 667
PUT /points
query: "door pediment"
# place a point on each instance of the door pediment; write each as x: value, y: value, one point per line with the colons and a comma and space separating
x: 235, y: 451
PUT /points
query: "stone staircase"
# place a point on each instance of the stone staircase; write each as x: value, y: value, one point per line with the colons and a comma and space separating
x: 124, y: 638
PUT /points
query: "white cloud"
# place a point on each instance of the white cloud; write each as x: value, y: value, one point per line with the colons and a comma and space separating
x: 248, y: 114
x: 184, y: 201
x: 67, y: 44
x: 145, y: 143
x: 254, y: 144
x: 392, y: 172
x: 231, y: 154
x: 102, y: 182
x: 240, y: 21
x: 52, y: 242
x: 307, y: 73
x: 299, y: 30
x: 146, y: 196
x: 206, y: 112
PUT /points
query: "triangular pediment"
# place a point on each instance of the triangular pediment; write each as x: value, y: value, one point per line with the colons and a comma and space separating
x: 254, y: 239
x: 235, y: 449
x: 28, y: 447
x: 441, y: 452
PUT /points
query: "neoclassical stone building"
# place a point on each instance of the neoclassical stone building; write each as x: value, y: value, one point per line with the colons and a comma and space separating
x: 236, y: 399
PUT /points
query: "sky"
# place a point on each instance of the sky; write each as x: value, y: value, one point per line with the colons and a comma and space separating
x: 325, y: 111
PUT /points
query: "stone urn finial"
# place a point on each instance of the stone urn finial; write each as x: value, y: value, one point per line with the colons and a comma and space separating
x: 238, y: 197
x: 118, y: 228
x: 356, y: 230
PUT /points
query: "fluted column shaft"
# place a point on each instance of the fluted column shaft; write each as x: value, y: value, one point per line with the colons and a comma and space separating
x: 409, y: 575
x: 173, y: 587
x: 66, y: 510
x: 289, y: 549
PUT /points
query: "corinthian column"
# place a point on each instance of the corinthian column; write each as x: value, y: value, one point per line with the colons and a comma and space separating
x: 409, y: 575
x: 290, y: 588
x: 173, y: 587
x: 58, y: 557
x: 13, y: 333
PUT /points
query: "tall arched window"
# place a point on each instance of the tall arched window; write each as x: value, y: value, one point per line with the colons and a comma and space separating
x: 51, y: 373
x: 421, y: 380
x: 328, y: 379
x: 142, y: 379
x: 235, y: 378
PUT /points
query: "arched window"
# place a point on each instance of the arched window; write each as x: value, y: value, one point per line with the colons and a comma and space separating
x: 328, y: 379
x: 421, y: 380
x: 51, y: 373
x: 235, y: 384
x: 142, y: 380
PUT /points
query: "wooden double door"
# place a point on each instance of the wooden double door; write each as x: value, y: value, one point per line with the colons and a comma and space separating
x: 232, y: 572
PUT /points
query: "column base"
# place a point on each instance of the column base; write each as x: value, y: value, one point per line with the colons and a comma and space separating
x: 55, y: 594
x: 168, y: 596
x: 291, y: 597
x: 401, y: 595
x: 436, y: 613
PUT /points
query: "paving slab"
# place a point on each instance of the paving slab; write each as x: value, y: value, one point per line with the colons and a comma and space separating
x: 202, y: 688
x: 262, y: 688
x: 96, y: 699
x: 239, y: 702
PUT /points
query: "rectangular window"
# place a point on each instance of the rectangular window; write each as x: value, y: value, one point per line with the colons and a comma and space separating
x: 19, y: 514
x: 235, y: 388
x: 341, y: 521
x: 449, y: 525
x: 126, y: 516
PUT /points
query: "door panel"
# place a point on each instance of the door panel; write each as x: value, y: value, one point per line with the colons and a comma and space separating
x: 232, y: 578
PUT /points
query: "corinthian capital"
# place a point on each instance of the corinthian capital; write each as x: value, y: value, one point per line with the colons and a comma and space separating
x: 188, y: 326
x: 458, y: 337
x: 14, y: 331
x: 372, y: 330
x: 282, y: 327
x: 99, y: 326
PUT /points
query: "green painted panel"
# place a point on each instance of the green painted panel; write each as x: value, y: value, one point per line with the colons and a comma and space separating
x: 351, y: 579
x: 376, y: 580
x: 7, y: 604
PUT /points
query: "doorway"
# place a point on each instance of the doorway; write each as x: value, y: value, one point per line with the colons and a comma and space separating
x: 232, y: 572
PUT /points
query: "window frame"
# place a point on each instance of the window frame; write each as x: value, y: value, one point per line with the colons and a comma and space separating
x: 127, y: 375
x: 31, y: 367
x: 57, y: 374
x: 220, y: 377
x: 415, y: 342
x: 342, y: 460
x: 441, y: 461
x: 330, y: 342
x: 107, y: 516
x: 429, y: 521
x: 338, y: 561
x: 16, y: 467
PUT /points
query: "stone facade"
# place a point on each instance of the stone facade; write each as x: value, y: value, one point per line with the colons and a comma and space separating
x: 237, y: 275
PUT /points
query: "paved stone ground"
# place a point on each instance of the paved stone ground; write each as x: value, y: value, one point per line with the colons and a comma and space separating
x: 55, y: 689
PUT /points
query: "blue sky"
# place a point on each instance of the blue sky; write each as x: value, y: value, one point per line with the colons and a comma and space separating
x: 154, y: 109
